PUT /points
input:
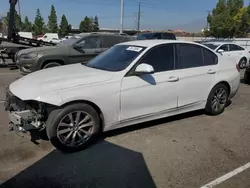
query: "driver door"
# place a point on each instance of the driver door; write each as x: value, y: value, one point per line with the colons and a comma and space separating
x: 86, y: 49
x: 151, y: 94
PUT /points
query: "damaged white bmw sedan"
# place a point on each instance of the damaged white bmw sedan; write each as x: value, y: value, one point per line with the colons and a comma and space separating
x: 130, y: 83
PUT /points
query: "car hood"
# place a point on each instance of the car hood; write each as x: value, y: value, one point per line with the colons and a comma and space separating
x: 35, y: 49
x: 55, y: 79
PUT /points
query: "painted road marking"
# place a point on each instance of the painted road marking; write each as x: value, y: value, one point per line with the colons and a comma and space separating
x: 227, y: 176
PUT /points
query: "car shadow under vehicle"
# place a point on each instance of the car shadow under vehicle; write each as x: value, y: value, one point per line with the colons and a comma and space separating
x: 35, y: 136
x: 103, y: 165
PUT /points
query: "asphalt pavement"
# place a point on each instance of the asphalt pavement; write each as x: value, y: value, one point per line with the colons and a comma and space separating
x: 190, y: 151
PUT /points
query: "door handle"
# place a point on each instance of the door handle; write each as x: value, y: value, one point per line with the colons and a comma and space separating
x: 173, y: 79
x: 211, y: 71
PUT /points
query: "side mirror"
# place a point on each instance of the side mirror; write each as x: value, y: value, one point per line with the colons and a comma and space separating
x: 220, y: 50
x: 144, y: 69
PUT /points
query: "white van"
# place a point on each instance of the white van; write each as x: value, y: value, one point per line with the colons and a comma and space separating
x: 25, y: 34
x: 48, y: 37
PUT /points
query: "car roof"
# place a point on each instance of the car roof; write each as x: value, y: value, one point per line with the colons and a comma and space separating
x: 152, y: 43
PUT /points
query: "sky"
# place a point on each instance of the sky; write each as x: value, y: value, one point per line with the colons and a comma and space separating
x: 155, y: 14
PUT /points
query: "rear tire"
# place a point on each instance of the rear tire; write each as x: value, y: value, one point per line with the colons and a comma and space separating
x: 51, y: 64
x: 217, y: 100
x: 73, y: 128
x: 243, y: 63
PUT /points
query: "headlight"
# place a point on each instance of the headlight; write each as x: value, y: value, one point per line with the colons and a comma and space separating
x: 29, y: 56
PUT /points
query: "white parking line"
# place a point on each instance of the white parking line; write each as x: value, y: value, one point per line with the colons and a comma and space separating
x: 227, y: 176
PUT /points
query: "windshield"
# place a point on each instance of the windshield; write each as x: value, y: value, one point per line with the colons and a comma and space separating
x: 211, y: 46
x: 116, y: 58
x: 144, y: 36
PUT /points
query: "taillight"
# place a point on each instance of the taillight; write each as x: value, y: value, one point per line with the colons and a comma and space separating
x: 238, y: 67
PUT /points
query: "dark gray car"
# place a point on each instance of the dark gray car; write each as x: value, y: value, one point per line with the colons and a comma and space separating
x: 80, y: 48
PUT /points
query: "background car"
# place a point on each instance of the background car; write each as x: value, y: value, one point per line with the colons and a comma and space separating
x: 80, y: 48
x: 247, y: 75
x: 55, y: 41
x: 156, y: 35
x: 234, y: 51
x: 130, y: 83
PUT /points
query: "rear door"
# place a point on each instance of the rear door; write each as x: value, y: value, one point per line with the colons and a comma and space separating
x: 86, y: 49
x: 197, y: 68
x: 236, y: 52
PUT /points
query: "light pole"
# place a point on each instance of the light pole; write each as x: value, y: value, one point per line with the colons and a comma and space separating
x: 122, y: 15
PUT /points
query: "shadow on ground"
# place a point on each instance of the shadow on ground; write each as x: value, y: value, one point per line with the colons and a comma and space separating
x: 100, y: 166
x: 243, y: 81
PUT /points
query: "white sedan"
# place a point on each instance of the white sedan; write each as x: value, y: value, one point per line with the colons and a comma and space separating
x: 130, y: 83
x: 236, y: 52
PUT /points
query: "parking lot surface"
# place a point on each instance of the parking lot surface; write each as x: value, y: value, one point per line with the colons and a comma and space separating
x: 189, y: 150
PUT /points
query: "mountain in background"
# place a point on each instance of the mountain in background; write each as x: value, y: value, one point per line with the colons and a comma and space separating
x: 194, y: 26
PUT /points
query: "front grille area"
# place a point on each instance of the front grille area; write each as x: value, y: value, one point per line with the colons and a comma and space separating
x: 13, y: 103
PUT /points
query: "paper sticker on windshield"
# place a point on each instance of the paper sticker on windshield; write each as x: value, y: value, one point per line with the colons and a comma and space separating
x: 134, y: 48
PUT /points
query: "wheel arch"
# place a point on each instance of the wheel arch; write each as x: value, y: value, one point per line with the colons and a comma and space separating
x: 226, y: 84
x: 47, y: 61
x: 92, y: 104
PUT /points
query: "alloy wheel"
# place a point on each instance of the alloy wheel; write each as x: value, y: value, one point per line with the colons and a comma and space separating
x: 75, y: 128
x: 219, y: 99
x: 242, y: 63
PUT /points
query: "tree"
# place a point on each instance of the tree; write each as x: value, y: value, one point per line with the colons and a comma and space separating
x: 86, y: 25
x: 52, y: 20
x: 38, y: 23
x: 27, y: 25
x: 64, y: 26
x: 221, y: 21
x: 234, y: 6
x: 95, y: 24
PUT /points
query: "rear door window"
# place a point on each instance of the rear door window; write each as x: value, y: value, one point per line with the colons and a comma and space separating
x: 109, y: 41
x: 189, y: 56
x: 234, y: 47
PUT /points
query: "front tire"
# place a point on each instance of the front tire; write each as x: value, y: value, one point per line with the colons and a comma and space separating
x: 73, y: 127
x: 217, y: 100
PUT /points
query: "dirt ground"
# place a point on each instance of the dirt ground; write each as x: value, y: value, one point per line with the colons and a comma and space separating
x: 189, y: 150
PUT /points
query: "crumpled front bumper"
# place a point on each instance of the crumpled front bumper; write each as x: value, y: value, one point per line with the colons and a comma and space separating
x: 19, y: 117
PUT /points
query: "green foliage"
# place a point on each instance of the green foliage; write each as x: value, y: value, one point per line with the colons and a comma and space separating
x: 27, y: 25
x: 86, y: 25
x: 229, y: 19
x: 52, y: 20
x: 64, y: 26
x: 89, y: 24
x: 39, y: 24
x: 95, y: 24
